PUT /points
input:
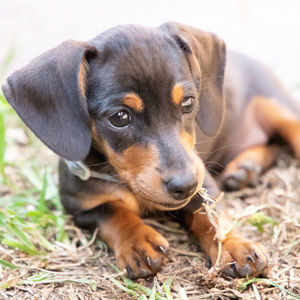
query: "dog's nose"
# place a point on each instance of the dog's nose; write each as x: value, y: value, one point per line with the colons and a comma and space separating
x: 181, y: 187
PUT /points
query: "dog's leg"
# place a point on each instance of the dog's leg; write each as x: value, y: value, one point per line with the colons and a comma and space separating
x: 276, y: 118
x: 244, y: 169
x: 138, y: 248
x: 272, y: 119
x: 239, y: 256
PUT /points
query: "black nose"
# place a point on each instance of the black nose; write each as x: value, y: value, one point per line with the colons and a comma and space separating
x: 181, y: 187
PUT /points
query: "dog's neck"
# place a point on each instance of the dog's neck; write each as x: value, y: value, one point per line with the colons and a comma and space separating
x: 81, y: 170
x: 95, y: 165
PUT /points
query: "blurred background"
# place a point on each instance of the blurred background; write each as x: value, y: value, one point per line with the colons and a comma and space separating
x: 268, y: 30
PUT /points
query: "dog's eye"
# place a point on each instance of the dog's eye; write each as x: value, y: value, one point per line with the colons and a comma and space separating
x: 187, y: 105
x: 120, y: 119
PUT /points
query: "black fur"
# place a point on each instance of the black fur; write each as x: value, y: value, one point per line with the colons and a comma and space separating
x: 125, y: 59
x: 46, y: 95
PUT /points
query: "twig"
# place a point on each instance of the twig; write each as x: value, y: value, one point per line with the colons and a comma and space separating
x: 256, y: 292
x: 209, y: 204
x: 184, y: 252
x: 161, y: 226
x: 122, y: 273
x: 91, y: 241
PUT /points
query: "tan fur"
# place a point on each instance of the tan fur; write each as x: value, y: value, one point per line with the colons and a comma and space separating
x: 134, y: 102
x: 111, y: 194
x: 177, y: 93
x: 131, y: 240
x: 83, y: 70
x: 276, y: 118
x: 138, y: 167
x: 187, y: 139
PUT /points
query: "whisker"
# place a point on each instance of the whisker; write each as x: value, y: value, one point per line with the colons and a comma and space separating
x: 204, y: 142
x: 97, y: 164
x: 221, y: 148
x: 214, y: 172
x: 214, y: 162
x: 116, y: 186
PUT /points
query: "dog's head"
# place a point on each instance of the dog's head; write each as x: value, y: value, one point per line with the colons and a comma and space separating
x: 135, y: 94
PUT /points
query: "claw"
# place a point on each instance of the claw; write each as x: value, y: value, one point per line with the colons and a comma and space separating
x: 208, y: 263
x: 163, y: 249
x: 231, y: 183
x: 244, y: 271
x: 230, y: 271
x: 148, y: 261
x: 129, y: 272
x: 250, y: 258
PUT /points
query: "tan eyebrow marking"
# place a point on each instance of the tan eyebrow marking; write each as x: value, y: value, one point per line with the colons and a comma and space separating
x: 177, y: 93
x: 133, y: 101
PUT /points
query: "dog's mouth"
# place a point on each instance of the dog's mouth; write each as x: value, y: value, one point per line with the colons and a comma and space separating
x: 157, y: 198
x: 170, y: 206
x: 167, y: 206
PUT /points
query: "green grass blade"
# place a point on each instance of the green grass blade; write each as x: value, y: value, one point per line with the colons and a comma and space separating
x: 2, y: 144
x: 124, y: 288
x: 167, y: 288
x: 32, y: 177
x: 5, y: 285
x: 141, y: 288
x: 245, y: 284
x: 38, y: 277
x: 126, y: 280
x: 259, y: 219
x: 282, y: 288
x: 61, y: 234
x: 42, y: 200
x: 93, y: 286
x: 20, y: 246
x: 43, y: 241
x: 153, y: 292
x: 34, y: 281
x: 14, y: 229
x: 7, y: 264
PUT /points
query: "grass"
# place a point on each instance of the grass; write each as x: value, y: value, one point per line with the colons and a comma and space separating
x: 43, y: 254
x: 267, y: 281
x: 259, y: 219
x: 141, y: 292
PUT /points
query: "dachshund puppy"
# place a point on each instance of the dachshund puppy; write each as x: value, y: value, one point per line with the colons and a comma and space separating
x: 135, y: 114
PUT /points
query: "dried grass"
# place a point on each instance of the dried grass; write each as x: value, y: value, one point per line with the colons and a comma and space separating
x: 82, y: 269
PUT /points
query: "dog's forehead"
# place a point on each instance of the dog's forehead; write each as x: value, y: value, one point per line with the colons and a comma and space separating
x: 141, y: 56
x: 145, y: 60
x: 129, y: 39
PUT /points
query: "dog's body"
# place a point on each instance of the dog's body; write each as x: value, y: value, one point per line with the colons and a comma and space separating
x: 128, y: 109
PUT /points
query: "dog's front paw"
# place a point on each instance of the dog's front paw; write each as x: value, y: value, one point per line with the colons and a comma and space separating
x: 142, y: 252
x: 240, y: 257
x: 239, y: 176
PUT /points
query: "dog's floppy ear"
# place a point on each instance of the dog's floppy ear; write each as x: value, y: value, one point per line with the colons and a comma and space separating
x: 49, y: 96
x: 206, y: 56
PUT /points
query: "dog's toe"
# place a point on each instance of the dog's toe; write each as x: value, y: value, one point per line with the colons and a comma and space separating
x: 143, y: 253
x: 241, y: 257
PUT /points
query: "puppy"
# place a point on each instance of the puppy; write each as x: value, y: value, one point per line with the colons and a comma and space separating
x: 135, y: 114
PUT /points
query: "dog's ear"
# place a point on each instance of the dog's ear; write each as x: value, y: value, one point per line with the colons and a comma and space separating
x: 49, y: 94
x: 206, y: 55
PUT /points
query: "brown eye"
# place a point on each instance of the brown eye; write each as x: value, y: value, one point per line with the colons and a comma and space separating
x: 120, y: 119
x: 187, y: 105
